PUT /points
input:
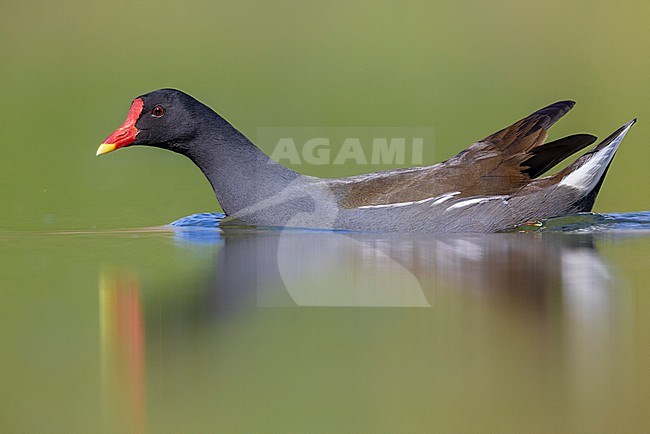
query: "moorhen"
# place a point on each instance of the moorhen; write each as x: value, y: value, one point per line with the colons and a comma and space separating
x: 491, y: 186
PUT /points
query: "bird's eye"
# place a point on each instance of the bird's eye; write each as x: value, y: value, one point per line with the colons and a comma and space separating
x: 157, y: 111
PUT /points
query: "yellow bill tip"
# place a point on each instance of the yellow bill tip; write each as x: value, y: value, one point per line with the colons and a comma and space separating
x: 105, y: 148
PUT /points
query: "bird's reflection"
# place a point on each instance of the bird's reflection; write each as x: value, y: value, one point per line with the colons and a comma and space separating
x: 291, y: 268
x: 557, y: 286
x: 311, y: 268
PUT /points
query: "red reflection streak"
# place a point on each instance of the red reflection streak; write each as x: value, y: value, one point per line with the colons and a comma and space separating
x: 123, y: 344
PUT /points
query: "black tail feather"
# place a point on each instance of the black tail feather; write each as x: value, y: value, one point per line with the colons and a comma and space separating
x: 549, y: 154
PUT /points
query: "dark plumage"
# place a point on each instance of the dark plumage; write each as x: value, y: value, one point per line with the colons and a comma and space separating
x: 493, y: 185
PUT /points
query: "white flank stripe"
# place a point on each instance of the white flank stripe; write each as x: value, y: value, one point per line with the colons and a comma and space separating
x: 444, y: 197
x: 474, y: 201
x: 387, y: 205
x: 587, y: 176
x: 438, y: 199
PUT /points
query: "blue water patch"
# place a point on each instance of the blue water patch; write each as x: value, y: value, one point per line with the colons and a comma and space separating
x: 201, y: 220
x: 202, y: 228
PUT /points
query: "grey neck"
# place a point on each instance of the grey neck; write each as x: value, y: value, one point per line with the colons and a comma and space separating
x: 241, y: 175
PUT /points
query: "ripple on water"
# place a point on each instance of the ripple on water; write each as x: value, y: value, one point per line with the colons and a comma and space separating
x: 630, y: 223
x: 621, y: 223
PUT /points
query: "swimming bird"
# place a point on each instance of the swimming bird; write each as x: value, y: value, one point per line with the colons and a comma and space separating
x: 493, y: 185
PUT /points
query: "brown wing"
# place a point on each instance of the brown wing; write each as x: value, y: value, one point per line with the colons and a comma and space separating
x: 501, y: 163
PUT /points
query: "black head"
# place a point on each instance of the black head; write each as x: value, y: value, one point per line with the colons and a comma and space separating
x: 164, y: 118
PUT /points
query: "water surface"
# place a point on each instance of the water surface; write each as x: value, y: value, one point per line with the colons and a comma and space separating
x: 196, y: 329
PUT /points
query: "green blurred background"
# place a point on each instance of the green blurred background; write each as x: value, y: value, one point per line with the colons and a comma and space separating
x: 478, y: 361
x: 70, y: 70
